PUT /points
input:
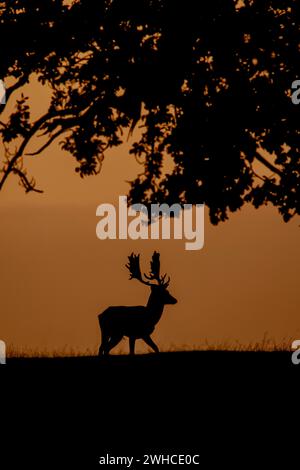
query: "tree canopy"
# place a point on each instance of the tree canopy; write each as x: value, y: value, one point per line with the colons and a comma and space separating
x: 208, y: 84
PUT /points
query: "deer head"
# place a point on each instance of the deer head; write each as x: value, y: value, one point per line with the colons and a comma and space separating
x: 158, y: 283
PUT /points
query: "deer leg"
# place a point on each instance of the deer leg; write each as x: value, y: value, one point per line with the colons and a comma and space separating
x: 104, y: 343
x: 151, y: 343
x: 114, y: 340
x: 131, y: 344
x: 102, y: 348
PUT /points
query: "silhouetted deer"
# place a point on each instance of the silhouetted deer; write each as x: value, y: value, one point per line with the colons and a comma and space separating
x: 136, y: 322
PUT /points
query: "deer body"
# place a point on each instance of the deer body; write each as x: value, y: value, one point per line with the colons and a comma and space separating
x: 136, y: 322
x: 128, y: 321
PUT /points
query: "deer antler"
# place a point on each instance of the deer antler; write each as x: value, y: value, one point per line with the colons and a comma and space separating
x: 155, y: 271
x: 155, y: 268
x: 133, y: 266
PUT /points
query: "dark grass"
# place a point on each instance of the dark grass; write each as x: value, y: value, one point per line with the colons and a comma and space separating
x: 174, y: 358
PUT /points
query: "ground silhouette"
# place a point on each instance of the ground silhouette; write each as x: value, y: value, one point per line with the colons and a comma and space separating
x: 227, y: 406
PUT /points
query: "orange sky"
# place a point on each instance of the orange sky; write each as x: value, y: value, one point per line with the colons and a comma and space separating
x: 56, y: 276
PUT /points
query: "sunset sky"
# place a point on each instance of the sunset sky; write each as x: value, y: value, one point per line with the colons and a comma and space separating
x: 56, y: 276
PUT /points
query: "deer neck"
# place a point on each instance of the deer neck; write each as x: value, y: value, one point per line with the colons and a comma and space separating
x: 155, y: 308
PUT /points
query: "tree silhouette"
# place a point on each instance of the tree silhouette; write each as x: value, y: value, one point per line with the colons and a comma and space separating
x: 208, y: 86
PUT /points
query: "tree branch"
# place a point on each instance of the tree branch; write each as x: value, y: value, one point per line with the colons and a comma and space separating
x: 49, y: 142
x: 57, y: 120
x: 29, y: 185
x: 20, y: 151
x: 269, y: 165
x: 19, y: 83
